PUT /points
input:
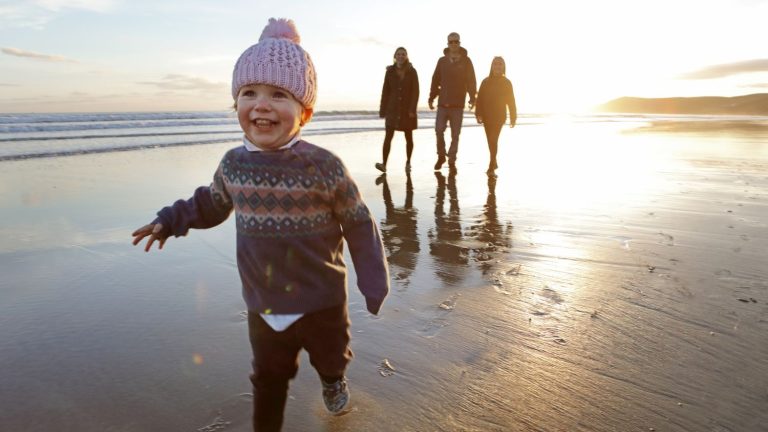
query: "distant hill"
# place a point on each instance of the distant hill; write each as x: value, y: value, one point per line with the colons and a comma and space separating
x: 754, y: 104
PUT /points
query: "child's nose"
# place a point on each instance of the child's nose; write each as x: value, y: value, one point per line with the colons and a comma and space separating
x: 262, y: 104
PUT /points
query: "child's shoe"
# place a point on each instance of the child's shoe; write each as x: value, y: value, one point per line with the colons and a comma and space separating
x: 381, y: 167
x: 336, y: 395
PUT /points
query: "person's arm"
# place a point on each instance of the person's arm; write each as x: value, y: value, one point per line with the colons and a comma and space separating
x: 512, y: 106
x: 434, y: 89
x: 479, y: 102
x: 364, y: 240
x: 208, y: 207
x: 471, y: 83
x: 414, y: 102
x: 384, y: 96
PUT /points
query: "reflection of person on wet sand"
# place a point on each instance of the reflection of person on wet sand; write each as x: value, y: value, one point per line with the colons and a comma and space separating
x: 399, y: 231
x: 496, y: 237
x: 446, y: 238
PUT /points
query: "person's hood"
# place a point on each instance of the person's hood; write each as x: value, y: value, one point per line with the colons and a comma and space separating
x: 462, y: 51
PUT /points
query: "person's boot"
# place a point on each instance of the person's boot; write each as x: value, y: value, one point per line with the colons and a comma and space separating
x: 381, y: 167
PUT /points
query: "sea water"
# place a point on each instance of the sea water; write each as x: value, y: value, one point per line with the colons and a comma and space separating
x: 24, y: 136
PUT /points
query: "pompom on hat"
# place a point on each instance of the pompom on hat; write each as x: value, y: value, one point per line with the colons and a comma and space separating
x: 278, y: 60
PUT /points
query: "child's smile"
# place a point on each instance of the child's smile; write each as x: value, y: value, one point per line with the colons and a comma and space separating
x: 269, y: 116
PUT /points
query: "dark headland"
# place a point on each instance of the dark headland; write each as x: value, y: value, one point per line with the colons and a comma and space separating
x: 753, y: 104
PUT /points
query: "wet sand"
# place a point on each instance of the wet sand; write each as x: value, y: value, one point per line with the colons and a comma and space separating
x: 604, y: 281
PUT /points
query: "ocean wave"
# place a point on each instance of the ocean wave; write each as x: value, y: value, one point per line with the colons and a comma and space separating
x: 12, y: 154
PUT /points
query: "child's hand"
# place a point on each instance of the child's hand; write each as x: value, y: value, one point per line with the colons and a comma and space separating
x: 153, y: 231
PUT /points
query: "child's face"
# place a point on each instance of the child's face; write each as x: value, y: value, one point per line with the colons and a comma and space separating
x: 269, y: 116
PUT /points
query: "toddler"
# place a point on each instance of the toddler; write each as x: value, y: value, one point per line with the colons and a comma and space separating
x: 294, y: 205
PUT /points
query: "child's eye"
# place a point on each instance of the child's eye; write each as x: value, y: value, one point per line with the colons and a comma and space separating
x: 279, y: 95
x: 248, y: 93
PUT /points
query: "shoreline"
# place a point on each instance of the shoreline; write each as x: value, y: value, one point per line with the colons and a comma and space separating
x: 596, y: 286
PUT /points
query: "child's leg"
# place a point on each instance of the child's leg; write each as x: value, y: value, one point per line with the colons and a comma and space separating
x: 275, y: 362
x: 325, y: 336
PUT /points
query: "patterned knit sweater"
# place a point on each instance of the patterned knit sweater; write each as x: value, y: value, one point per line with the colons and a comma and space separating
x: 293, y: 207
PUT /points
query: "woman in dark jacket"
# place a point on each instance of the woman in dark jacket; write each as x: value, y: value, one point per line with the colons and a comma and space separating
x: 398, y: 105
x: 494, y: 98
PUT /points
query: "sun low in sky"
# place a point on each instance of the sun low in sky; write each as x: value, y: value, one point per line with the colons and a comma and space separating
x: 562, y: 56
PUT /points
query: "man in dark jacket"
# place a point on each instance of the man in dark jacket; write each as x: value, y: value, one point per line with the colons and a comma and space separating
x: 453, y: 79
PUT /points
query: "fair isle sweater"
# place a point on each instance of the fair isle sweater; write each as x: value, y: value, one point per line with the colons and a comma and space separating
x: 293, y: 209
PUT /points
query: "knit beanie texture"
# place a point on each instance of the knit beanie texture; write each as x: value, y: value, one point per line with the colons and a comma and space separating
x: 278, y: 60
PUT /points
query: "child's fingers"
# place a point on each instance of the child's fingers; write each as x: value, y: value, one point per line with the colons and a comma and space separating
x: 140, y: 233
x: 149, y: 243
x: 143, y: 231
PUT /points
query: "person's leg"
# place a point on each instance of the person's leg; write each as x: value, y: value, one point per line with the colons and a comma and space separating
x: 456, y: 118
x: 382, y: 166
x: 387, y: 145
x: 325, y: 336
x: 492, y: 132
x: 275, y: 363
x: 408, y: 148
x: 441, y: 122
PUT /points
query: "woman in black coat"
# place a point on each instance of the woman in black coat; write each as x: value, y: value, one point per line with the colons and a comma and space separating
x: 399, y: 97
x: 494, y: 98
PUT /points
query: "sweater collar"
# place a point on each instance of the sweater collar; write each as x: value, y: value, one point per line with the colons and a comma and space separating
x: 251, y: 147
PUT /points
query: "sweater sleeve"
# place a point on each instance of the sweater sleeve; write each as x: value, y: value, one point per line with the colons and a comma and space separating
x: 434, y: 89
x: 364, y: 241
x: 480, y: 100
x: 208, y: 207
x: 511, y: 104
x: 471, y: 82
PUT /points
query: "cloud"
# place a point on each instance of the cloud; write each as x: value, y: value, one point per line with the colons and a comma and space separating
x: 728, y: 69
x: 185, y: 82
x: 36, y: 14
x: 368, y: 40
x: 756, y: 85
x: 91, y: 5
x: 37, y: 56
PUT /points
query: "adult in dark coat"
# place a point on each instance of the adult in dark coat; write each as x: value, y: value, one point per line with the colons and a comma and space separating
x: 495, y: 97
x: 399, y: 97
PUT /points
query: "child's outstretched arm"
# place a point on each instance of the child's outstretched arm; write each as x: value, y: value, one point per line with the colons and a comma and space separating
x: 154, y: 231
x: 208, y: 207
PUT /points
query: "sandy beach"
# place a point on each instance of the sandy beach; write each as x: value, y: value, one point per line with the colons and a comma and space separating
x: 608, y: 279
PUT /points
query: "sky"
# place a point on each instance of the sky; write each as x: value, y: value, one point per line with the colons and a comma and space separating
x: 562, y: 55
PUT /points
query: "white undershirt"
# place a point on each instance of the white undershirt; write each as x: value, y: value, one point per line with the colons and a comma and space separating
x: 278, y: 322
x: 251, y: 147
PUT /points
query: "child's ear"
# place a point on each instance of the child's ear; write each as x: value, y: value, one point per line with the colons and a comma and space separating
x: 306, y: 115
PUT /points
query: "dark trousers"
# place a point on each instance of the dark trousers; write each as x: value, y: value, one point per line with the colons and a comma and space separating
x: 388, y: 144
x: 325, y: 336
x: 492, y: 132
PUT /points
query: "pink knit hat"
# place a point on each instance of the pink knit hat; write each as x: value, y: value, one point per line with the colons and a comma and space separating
x: 279, y: 61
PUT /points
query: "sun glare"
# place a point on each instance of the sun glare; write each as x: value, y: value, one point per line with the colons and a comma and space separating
x: 566, y: 165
